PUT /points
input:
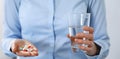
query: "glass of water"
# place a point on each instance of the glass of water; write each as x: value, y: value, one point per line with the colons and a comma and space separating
x: 76, y: 23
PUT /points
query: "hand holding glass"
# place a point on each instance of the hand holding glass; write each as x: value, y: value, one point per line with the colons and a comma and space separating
x: 76, y: 23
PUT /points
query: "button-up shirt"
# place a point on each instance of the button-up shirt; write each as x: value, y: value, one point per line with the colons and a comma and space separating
x: 45, y: 24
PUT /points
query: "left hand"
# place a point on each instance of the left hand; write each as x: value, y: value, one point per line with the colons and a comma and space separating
x: 91, y: 49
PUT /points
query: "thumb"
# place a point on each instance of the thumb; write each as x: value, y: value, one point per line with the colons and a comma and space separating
x: 14, y: 47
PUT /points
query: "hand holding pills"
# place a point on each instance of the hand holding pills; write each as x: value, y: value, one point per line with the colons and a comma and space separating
x: 24, y: 48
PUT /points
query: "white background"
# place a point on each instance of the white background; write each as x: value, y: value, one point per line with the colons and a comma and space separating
x: 113, y: 21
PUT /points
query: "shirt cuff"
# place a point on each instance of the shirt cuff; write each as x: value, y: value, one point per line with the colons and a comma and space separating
x: 101, y: 55
x: 9, y: 48
x: 7, y: 43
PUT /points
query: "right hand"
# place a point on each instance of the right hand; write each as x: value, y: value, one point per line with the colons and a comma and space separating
x: 18, y: 43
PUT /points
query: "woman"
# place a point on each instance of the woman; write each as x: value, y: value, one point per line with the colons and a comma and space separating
x: 37, y: 29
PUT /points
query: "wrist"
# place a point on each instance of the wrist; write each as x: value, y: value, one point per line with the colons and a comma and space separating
x: 95, y: 50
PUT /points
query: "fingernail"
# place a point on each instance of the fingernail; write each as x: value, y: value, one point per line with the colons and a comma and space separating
x: 76, y: 40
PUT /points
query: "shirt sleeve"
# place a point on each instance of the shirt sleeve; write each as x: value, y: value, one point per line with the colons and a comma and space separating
x: 11, y: 26
x: 98, y: 22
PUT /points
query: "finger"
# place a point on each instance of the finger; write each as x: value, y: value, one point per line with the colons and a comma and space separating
x: 83, y: 35
x: 80, y: 35
x: 31, y: 46
x: 23, y: 53
x: 86, y: 42
x: 87, y: 49
x: 90, y: 29
x: 34, y: 53
x: 68, y: 35
x: 28, y: 52
x: 89, y: 37
x: 71, y: 38
x: 80, y: 41
x: 34, y: 48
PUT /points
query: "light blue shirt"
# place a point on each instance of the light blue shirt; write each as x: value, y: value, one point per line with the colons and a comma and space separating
x: 45, y: 24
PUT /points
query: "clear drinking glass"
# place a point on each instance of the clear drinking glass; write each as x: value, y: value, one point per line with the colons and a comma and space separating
x: 76, y: 23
